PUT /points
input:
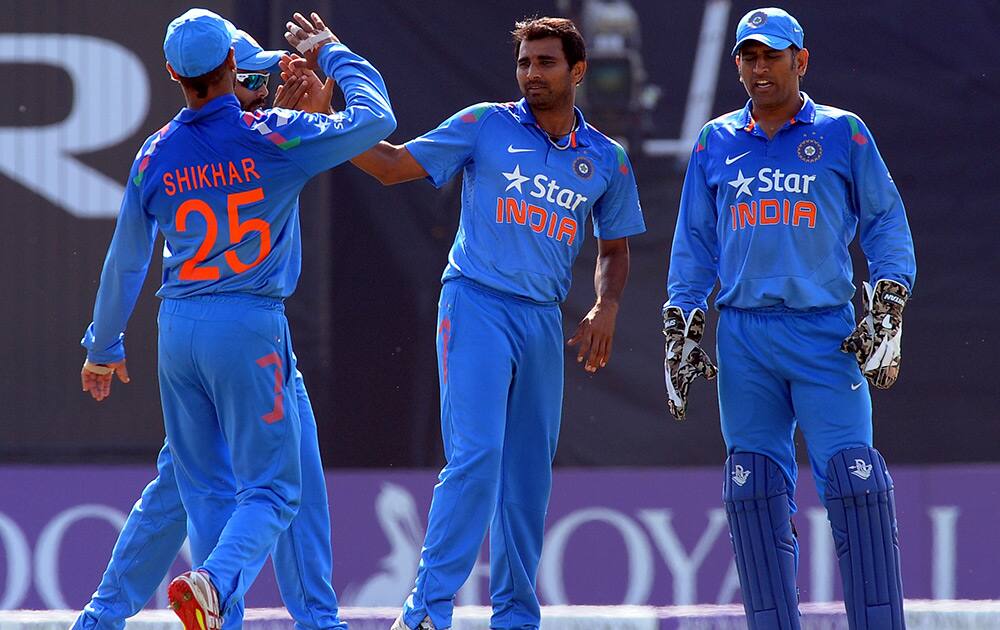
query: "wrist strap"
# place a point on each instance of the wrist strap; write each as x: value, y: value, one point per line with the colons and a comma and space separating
x: 308, y: 44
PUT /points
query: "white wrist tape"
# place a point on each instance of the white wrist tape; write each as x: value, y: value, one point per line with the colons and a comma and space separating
x: 97, y: 368
x: 308, y: 44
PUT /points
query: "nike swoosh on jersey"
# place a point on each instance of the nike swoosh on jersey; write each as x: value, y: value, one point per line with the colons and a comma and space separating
x: 511, y: 149
x: 730, y: 160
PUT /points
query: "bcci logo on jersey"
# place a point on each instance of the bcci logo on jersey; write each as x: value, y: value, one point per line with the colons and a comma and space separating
x: 540, y: 219
x: 809, y: 151
x: 583, y: 167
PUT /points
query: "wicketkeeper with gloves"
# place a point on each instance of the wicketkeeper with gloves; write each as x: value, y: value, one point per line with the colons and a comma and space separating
x: 773, y: 195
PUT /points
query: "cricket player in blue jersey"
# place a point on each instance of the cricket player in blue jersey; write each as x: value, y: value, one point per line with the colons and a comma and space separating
x: 533, y: 172
x: 156, y: 527
x: 773, y: 195
x: 226, y: 366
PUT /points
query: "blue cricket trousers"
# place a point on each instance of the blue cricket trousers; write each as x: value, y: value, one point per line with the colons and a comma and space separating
x: 157, y: 526
x: 780, y: 369
x: 232, y: 422
x: 500, y: 367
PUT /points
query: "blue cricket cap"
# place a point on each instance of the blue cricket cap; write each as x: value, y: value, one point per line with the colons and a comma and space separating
x: 249, y: 54
x: 771, y: 26
x: 197, y: 42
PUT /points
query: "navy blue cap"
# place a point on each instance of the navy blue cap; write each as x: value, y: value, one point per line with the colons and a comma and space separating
x: 771, y: 26
x: 250, y: 55
x: 197, y: 42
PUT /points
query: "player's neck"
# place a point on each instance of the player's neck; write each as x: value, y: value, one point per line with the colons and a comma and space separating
x: 558, y: 121
x: 771, y: 118
x: 214, y: 91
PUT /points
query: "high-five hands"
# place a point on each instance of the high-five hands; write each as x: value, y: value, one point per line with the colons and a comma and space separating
x: 684, y: 359
x: 308, y: 36
x: 301, y: 89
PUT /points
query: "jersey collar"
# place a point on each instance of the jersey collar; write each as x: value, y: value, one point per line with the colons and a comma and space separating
x: 522, y: 111
x: 806, y: 114
x: 217, y: 104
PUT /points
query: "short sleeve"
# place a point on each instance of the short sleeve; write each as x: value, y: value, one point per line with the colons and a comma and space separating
x: 617, y: 212
x: 445, y: 150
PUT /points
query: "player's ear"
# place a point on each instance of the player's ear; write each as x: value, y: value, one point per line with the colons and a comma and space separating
x: 172, y: 73
x: 802, y: 57
x: 578, y: 70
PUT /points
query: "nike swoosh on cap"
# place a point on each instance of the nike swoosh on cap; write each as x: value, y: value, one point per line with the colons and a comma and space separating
x: 511, y: 149
x: 730, y: 160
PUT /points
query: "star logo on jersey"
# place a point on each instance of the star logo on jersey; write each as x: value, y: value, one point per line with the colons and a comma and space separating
x: 515, y: 178
x: 860, y: 469
x: 742, y: 184
x: 740, y: 475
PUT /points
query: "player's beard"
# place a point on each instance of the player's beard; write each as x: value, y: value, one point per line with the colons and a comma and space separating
x: 546, y: 98
x: 254, y: 105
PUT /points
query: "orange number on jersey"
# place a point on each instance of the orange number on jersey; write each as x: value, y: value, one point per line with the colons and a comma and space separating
x: 190, y: 269
x: 237, y: 229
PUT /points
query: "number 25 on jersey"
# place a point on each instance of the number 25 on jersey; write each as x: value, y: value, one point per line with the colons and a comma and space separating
x: 192, y: 269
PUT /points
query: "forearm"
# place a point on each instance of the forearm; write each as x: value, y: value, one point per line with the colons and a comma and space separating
x: 611, y: 276
x: 389, y: 163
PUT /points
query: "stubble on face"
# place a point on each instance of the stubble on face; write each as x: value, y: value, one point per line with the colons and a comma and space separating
x: 543, y: 73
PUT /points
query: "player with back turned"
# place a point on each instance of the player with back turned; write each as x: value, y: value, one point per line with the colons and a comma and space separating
x: 155, y: 529
x: 222, y: 185
x: 533, y: 172
x: 773, y: 195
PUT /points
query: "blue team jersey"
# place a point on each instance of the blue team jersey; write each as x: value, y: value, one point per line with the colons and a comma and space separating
x: 773, y: 218
x: 222, y: 185
x: 524, y: 201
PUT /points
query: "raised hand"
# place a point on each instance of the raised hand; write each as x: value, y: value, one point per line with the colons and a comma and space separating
x: 684, y: 359
x: 308, y: 36
x: 301, y: 88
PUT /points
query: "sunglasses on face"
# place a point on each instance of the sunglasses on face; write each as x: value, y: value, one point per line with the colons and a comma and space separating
x: 252, y: 80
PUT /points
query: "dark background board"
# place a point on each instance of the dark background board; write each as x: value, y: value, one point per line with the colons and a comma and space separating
x: 363, y: 317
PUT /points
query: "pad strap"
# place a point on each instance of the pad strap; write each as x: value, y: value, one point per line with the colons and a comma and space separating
x: 756, y: 498
x: 861, y: 507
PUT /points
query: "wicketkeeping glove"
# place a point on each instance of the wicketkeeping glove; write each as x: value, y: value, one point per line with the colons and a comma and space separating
x: 685, y: 360
x: 876, y: 340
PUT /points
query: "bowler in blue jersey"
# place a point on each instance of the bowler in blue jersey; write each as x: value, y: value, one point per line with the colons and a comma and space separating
x: 533, y: 173
x: 774, y: 194
x: 222, y: 185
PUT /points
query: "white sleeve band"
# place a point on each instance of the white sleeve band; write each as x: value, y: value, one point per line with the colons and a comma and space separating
x: 97, y: 368
x: 310, y: 43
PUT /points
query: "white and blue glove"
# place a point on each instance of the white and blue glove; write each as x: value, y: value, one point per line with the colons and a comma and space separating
x: 685, y: 360
x: 876, y: 340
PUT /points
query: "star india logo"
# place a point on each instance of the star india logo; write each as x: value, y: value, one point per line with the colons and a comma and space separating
x: 515, y: 179
x: 740, y: 475
x: 860, y: 469
x: 742, y: 184
x: 809, y: 151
